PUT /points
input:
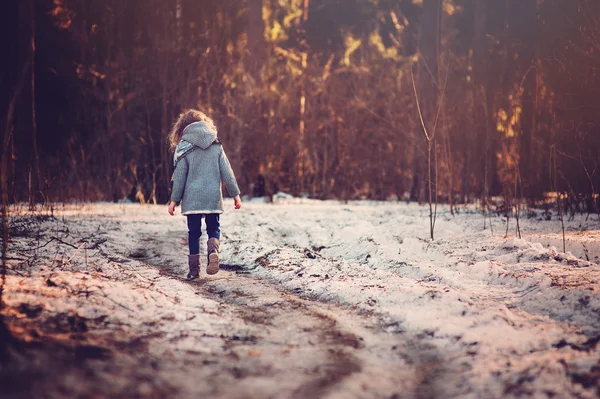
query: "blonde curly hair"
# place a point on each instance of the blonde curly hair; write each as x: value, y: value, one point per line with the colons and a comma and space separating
x: 186, y: 118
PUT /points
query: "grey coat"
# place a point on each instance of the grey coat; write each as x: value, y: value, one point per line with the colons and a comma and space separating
x: 200, y: 167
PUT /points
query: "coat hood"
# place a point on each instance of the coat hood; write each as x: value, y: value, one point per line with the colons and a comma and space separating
x: 200, y: 134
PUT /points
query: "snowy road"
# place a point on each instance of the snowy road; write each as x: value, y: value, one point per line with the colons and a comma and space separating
x: 316, y: 299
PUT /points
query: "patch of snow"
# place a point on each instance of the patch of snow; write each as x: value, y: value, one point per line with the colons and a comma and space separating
x: 499, y: 315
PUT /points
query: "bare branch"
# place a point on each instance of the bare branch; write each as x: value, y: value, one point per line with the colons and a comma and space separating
x: 412, y: 76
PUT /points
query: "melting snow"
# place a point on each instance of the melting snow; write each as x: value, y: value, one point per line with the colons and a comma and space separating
x: 498, y: 316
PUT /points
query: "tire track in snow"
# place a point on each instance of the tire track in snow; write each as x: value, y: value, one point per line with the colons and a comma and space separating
x: 501, y: 337
x: 345, y: 353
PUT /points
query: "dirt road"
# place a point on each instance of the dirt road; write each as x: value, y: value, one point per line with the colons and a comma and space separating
x: 324, y: 301
x: 120, y: 320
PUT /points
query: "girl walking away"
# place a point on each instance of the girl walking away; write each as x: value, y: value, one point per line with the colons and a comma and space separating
x: 200, y: 167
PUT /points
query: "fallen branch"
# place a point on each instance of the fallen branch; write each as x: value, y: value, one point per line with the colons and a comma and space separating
x: 48, y: 242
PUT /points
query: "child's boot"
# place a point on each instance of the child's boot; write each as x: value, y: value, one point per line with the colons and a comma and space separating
x: 212, y: 247
x: 194, y: 263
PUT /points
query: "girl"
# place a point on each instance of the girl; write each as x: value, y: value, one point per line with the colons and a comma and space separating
x: 200, y: 167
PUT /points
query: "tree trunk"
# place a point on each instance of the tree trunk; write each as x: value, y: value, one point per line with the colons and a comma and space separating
x: 36, y: 157
x: 428, y: 87
x: 302, y: 125
x: 165, y: 66
x: 527, y: 153
x: 109, y: 167
x: 8, y: 130
x: 483, y: 94
x: 255, y: 31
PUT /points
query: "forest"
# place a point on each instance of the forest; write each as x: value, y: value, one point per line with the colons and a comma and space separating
x: 457, y: 100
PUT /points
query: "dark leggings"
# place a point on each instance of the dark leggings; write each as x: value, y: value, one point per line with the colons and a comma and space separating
x: 194, y: 223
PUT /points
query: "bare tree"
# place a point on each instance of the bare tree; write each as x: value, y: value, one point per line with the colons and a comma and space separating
x: 36, y: 156
x: 255, y: 30
x: 430, y: 142
x: 429, y: 49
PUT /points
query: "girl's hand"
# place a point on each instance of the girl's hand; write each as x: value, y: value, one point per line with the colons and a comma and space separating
x: 237, y: 202
x: 172, y: 206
